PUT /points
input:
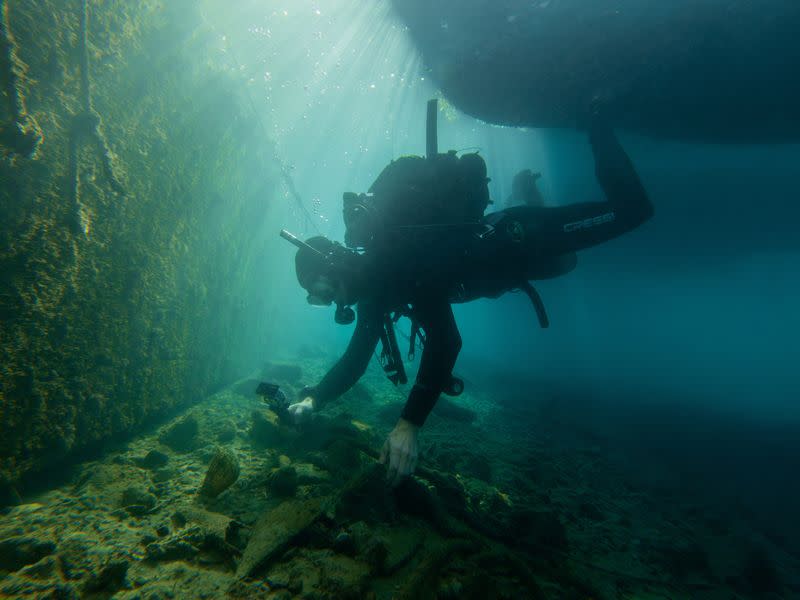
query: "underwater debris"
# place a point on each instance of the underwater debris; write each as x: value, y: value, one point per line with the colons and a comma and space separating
x: 215, y: 536
x: 182, y: 545
x: 274, y: 532
x: 223, y: 471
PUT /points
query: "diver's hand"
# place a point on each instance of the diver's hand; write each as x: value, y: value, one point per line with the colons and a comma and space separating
x: 301, y: 411
x: 401, y: 451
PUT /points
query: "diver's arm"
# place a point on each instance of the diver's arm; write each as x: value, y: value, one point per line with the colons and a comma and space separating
x: 577, y: 226
x: 351, y: 366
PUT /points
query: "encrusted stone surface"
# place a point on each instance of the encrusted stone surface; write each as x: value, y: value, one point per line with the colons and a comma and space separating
x: 127, y: 208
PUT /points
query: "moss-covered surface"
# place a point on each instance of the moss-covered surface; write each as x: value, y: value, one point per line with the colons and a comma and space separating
x: 501, y: 507
x: 130, y: 208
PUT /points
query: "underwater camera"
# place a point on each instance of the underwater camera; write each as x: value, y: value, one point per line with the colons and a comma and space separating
x: 273, y: 395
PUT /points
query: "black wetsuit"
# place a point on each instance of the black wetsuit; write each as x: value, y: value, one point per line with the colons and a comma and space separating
x: 428, y: 270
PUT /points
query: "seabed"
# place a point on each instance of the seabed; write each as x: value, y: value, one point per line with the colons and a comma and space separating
x: 511, y: 500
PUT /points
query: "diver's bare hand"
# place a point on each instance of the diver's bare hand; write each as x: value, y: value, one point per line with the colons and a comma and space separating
x: 301, y: 411
x: 401, y: 451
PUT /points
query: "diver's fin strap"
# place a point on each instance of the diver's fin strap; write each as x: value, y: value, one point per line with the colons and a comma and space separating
x: 538, y: 305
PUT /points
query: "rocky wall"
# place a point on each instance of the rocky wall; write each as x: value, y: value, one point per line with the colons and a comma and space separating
x: 134, y: 190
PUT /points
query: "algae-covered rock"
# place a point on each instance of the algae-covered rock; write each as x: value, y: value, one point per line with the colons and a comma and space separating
x: 137, y: 500
x: 19, y: 551
x: 152, y: 460
x: 374, y: 553
x: 81, y: 554
x: 182, y: 436
x: 15, y: 586
x: 161, y: 476
x: 223, y: 471
x: 283, y: 482
x: 178, y: 546
x: 44, y: 569
x: 132, y: 316
x: 318, y: 574
x: 402, y: 544
x: 108, y: 580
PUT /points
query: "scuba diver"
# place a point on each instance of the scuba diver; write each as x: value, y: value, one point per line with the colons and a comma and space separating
x: 524, y: 190
x: 418, y: 242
